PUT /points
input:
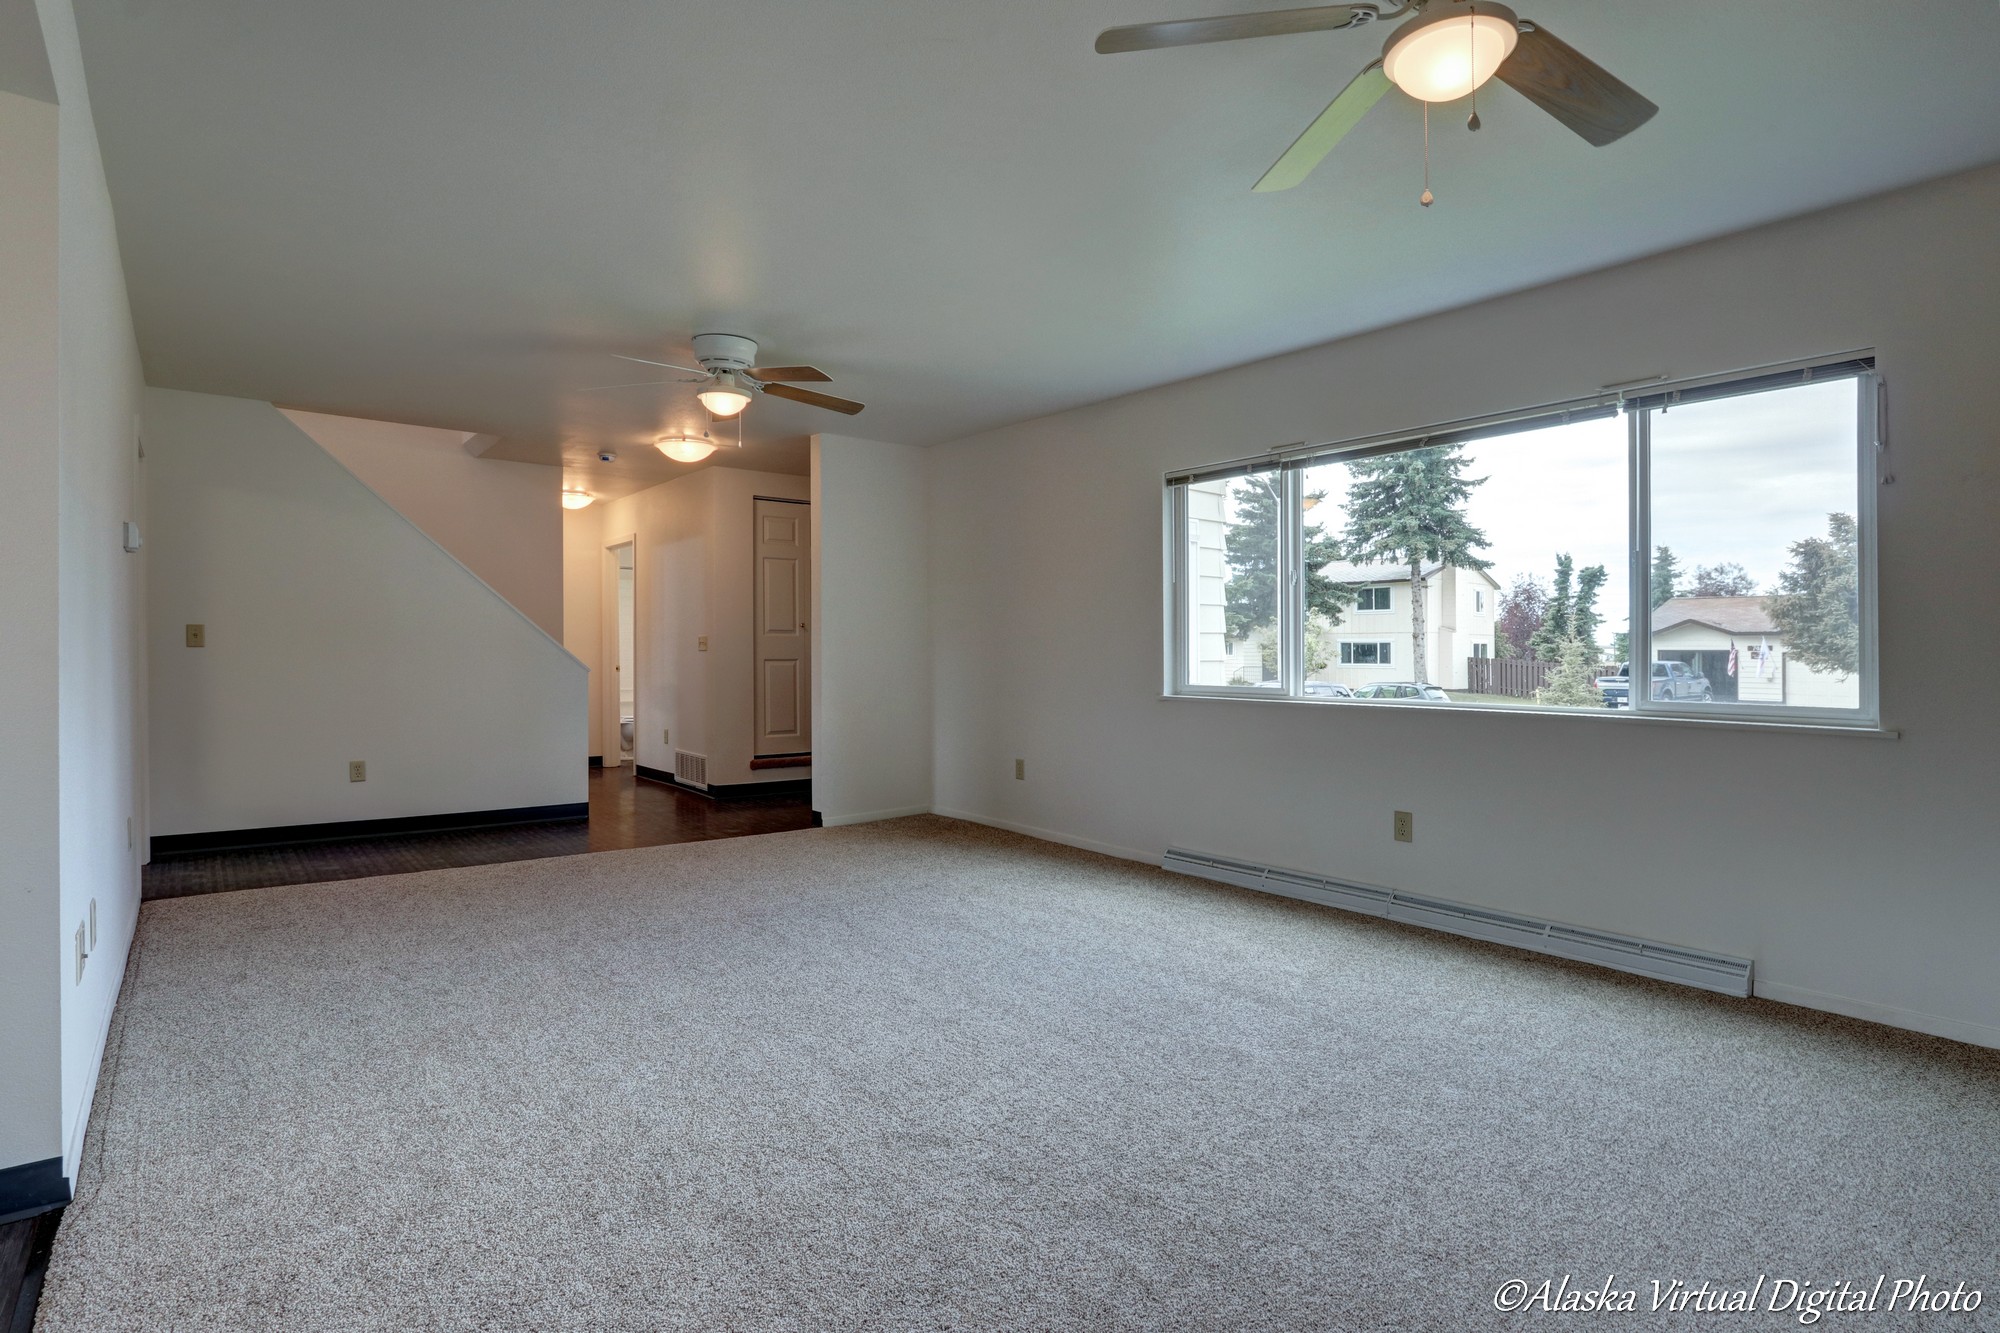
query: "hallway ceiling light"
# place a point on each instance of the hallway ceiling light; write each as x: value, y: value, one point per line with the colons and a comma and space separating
x: 725, y: 397
x: 685, y: 448
x: 576, y: 499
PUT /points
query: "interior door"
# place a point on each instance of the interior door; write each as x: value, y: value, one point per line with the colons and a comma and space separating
x: 783, y: 649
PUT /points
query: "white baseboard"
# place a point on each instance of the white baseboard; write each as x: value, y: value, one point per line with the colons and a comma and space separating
x: 836, y: 821
x: 1935, y: 1025
x: 1053, y: 835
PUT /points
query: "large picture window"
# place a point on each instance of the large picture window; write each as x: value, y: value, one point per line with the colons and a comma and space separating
x: 1718, y: 534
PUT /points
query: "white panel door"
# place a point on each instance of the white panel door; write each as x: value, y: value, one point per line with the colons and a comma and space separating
x: 783, y: 555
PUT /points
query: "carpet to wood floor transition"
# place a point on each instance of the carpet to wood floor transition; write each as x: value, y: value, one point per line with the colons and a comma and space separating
x: 923, y: 1074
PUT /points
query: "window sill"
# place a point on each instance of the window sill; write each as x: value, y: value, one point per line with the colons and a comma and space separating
x: 1613, y: 716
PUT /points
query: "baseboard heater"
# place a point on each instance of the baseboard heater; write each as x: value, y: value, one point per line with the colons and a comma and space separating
x: 1663, y: 962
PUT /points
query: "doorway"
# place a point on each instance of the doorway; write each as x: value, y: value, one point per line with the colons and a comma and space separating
x: 621, y: 693
x: 783, y: 640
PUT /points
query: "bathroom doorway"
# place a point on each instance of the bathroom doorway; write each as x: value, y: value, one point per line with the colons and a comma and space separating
x: 621, y: 695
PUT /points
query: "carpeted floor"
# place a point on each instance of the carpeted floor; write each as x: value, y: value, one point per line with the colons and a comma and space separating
x: 924, y: 1075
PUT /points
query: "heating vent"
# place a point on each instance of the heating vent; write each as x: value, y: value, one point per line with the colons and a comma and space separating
x: 691, y: 768
x: 1664, y: 962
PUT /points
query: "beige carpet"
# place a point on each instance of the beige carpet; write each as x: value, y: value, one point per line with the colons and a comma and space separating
x: 925, y: 1075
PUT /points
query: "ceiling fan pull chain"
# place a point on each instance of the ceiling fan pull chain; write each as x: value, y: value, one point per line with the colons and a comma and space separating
x: 1426, y: 198
x: 1472, y: 61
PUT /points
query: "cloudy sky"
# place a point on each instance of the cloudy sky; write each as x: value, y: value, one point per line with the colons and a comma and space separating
x: 1737, y: 479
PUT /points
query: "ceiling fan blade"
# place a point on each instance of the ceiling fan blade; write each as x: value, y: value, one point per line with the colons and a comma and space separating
x: 667, y: 365
x: 1192, y: 32
x: 811, y: 399
x: 796, y: 374
x: 629, y: 384
x: 1573, y: 88
x: 1341, y: 115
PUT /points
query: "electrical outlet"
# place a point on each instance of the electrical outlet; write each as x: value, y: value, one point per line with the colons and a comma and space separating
x: 701, y: 643
x: 197, y: 636
x: 1406, y: 826
x: 666, y: 735
x: 1020, y: 770
x: 82, y: 952
x: 357, y: 770
x: 93, y: 924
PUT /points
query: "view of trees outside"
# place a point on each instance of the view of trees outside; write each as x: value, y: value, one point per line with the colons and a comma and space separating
x: 1753, y: 525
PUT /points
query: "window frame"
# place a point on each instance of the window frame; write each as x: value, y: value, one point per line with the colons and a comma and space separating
x: 1636, y: 403
x: 1385, y: 650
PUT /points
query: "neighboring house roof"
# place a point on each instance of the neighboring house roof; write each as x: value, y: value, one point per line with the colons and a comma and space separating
x: 1731, y: 615
x: 1341, y: 573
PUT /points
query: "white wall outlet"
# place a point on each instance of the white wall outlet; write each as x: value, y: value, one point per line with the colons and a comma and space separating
x: 197, y: 636
x: 666, y: 735
x: 701, y: 643
x: 1406, y: 826
x: 82, y: 952
x: 1020, y: 770
x: 357, y: 770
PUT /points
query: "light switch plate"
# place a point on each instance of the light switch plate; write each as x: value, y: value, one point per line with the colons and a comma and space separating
x: 701, y: 643
x: 197, y: 636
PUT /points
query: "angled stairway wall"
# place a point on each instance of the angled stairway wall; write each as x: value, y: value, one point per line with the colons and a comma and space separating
x: 335, y: 631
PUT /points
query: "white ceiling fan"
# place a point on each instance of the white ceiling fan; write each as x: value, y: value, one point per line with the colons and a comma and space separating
x: 1444, y: 51
x: 731, y: 377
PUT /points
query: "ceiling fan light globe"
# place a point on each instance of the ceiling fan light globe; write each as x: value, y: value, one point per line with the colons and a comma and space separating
x: 1448, y: 51
x: 684, y: 448
x: 724, y: 397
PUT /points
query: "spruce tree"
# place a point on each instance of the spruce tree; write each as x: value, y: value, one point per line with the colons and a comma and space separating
x: 1409, y: 508
x: 1548, y: 639
x: 1250, y: 598
x: 1583, y: 617
x: 1818, y: 602
x: 1666, y: 576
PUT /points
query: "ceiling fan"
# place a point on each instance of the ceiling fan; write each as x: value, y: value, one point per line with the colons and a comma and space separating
x: 731, y: 377
x: 1444, y: 51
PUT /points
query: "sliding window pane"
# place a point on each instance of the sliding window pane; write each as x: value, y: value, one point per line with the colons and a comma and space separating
x: 1232, y: 582
x: 1491, y: 572
x: 1754, y: 576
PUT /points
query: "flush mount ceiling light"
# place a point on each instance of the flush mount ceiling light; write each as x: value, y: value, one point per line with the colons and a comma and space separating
x: 725, y: 395
x: 1446, y: 53
x: 684, y: 448
x: 572, y: 499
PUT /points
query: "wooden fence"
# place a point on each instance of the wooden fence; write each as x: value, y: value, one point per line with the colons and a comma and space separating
x: 1515, y: 677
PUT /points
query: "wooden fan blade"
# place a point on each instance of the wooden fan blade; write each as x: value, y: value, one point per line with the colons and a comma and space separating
x: 796, y: 374
x: 811, y: 399
x: 1573, y: 88
x: 665, y: 365
x: 1193, y: 32
x: 1341, y: 115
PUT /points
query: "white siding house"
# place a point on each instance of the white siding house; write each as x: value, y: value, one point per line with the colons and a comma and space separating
x: 1735, y: 643
x: 1373, y: 641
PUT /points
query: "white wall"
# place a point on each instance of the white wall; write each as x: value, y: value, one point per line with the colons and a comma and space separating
x: 872, y: 659
x: 1858, y: 873
x: 693, y: 579
x: 503, y: 521
x: 71, y: 703
x: 583, y: 573
x: 31, y: 979
x: 336, y: 631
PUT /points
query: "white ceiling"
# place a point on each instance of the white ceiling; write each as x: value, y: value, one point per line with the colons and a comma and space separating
x: 451, y: 213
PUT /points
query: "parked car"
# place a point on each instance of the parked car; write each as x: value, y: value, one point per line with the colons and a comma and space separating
x: 1402, y: 689
x: 1326, y: 689
x: 1672, y: 682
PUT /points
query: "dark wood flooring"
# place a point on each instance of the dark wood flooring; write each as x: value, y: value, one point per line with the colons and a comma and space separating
x: 624, y: 812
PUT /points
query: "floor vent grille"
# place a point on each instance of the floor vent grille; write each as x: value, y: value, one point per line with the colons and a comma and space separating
x: 1664, y: 962
x: 691, y: 768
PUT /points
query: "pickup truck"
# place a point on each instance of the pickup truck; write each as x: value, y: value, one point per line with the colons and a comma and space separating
x: 1672, y: 682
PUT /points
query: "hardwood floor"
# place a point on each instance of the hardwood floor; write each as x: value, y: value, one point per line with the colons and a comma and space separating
x: 624, y: 812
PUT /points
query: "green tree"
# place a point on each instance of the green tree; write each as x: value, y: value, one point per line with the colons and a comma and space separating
x: 1621, y: 646
x: 1573, y: 684
x: 1409, y: 509
x: 1724, y: 580
x: 1250, y: 598
x: 1548, y: 638
x: 1583, y: 617
x: 1666, y: 576
x: 1818, y: 602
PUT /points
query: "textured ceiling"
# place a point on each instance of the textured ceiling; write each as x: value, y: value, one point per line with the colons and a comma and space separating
x: 451, y: 213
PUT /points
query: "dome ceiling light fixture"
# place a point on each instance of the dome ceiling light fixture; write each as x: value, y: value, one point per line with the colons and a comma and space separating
x: 576, y: 498
x: 685, y: 448
x: 731, y: 379
x: 1444, y: 50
